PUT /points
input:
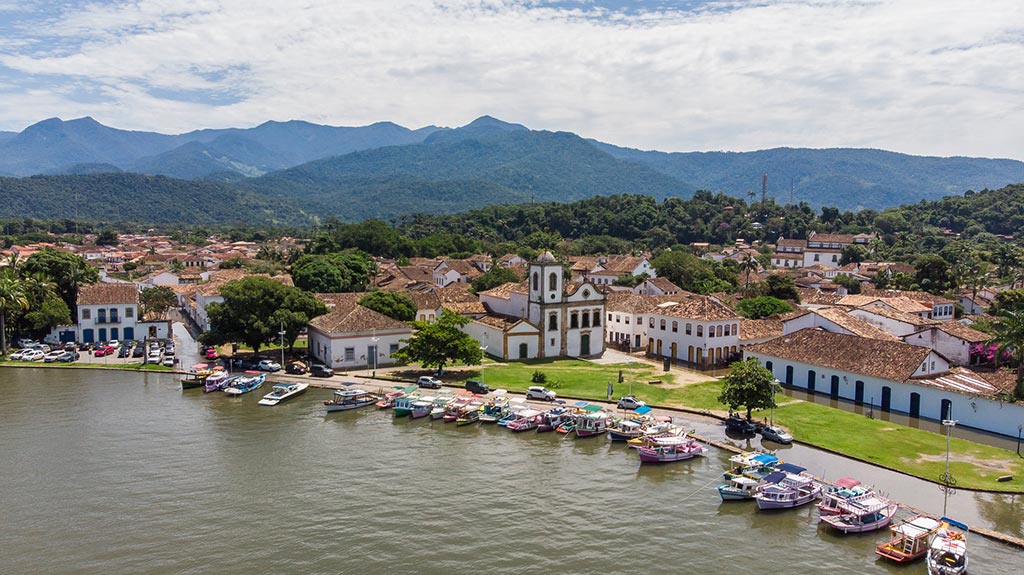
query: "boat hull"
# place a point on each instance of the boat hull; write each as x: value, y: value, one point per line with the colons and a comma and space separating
x: 729, y: 493
x: 332, y: 407
x: 850, y: 524
x: 768, y: 504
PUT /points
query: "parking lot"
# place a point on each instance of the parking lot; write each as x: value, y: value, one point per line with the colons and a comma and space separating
x: 108, y: 353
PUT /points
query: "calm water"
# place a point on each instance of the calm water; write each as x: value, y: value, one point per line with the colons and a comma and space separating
x: 122, y: 473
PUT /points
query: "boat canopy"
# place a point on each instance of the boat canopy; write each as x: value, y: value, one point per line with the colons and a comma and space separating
x: 847, y: 482
x: 500, y: 392
x: 643, y: 409
x: 581, y: 403
x: 348, y: 383
x: 199, y: 366
x: 789, y: 467
x: 775, y: 477
x: 955, y: 523
x: 592, y: 408
x: 765, y: 458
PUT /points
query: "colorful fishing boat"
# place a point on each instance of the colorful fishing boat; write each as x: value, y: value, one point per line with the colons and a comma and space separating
x: 422, y: 407
x: 862, y: 514
x: 515, y: 407
x: 218, y: 381
x: 469, y: 414
x: 526, y: 420
x: 786, y: 488
x: 591, y: 424
x: 389, y: 399
x: 654, y: 438
x: 454, y: 409
x: 739, y: 488
x: 494, y: 409
x: 282, y: 392
x: 947, y: 552
x: 403, y: 405
x: 680, y: 449
x: 200, y: 374
x: 441, y: 403
x: 552, y: 418
x: 625, y: 429
x: 754, y: 465
x: 909, y: 539
x: 845, y: 488
x: 245, y: 383
x: 349, y: 399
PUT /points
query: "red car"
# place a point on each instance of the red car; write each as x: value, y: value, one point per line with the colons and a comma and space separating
x: 104, y: 350
x: 211, y: 353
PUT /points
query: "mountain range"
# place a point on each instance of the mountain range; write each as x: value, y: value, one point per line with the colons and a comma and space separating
x: 385, y: 170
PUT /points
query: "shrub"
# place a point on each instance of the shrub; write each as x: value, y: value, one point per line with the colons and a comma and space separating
x: 539, y: 377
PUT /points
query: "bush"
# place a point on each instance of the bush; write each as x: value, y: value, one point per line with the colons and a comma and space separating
x: 539, y: 377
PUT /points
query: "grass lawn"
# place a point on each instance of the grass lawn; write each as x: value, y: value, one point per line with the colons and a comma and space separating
x: 578, y: 378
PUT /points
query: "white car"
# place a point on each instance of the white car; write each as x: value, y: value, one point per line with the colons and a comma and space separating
x: 53, y: 356
x: 32, y: 355
x: 114, y: 343
x: 630, y: 402
x: 268, y: 365
x: 430, y: 382
x: 776, y: 434
x: 154, y: 356
x: 539, y: 392
x: 168, y: 361
x: 18, y: 354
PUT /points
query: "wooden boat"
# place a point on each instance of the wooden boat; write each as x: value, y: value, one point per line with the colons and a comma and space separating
x: 591, y: 424
x: 515, y: 407
x: 862, y: 514
x: 246, y: 383
x: 947, y: 552
x: 282, y: 392
x: 567, y: 425
x: 494, y: 410
x: 348, y: 399
x: 454, y: 409
x: 441, y: 403
x: 656, y: 438
x: 220, y: 383
x: 681, y: 449
x: 526, y: 420
x: 909, y: 539
x: 403, y: 405
x: 786, y: 488
x: 469, y: 414
x: 739, y: 488
x: 422, y: 407
x: 201, y: 373
x: 388, y: 401
x: 845, y: 488
x: 552, y: 418
x: 625, y: 429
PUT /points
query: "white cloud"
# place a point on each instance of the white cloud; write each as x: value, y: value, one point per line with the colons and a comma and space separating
x: 927, y: 77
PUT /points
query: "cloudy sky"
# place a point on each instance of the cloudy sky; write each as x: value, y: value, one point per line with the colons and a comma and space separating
x: 936, y: 77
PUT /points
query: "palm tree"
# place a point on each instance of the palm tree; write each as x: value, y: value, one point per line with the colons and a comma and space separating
x: 12, y: 296
x: 748, y: 264
x: 1009, y: 337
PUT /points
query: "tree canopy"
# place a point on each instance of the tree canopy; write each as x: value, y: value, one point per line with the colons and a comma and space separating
x: 338, y: 272
x: 749, y: 386
x: 68, y: 271
x: 392, y: 304
x: 763, y: 306
x: 254, y: 309
x: 438, y: 343
x: 156, y: 300
x: 494, y: 277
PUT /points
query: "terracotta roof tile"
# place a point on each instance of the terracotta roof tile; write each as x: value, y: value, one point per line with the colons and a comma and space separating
x: 854, y: 325
x: 104, y: 293
x: 345, y: 315
x: 760, y: 329
x: 897, y: 315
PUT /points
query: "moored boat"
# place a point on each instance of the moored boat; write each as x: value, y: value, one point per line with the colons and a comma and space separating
x: 348, y: 399
x: 738, y: 488
x: 625, y: 429
x: 441, y: 403
x: 200, y: 374
x: 469, y: 414
x: 515, y: 407
x: 680, y: 449
x: 245, y: 383
x: 655, y: 438
x: 786, y: 488
x: 594, y: 421
x: 862, y: 514
x: 454, y: 409
x: 526, y: 420
x: 494, y: 410
x: 389, y: 399
x: 421, y: 407
x: 845, y: 488
x: 282, y: 392
x: 909, y: 540
x: 552, y: 418
x: 403, y: 405
x: 947, y: 552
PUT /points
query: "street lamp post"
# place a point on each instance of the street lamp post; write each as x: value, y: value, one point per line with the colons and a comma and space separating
x: 629, y: 350
x: 947, y: 479
x: 771, y: 413
x: 282, y: 333
x: 374, y: 339
x: 483, y: 358
x: 1020, y: 428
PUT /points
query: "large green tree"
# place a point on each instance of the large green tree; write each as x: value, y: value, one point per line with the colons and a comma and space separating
x: 12, y: 297
x: 933, y: 274
x: 392, y: 304
x: 254, y: 309
x: 156, y: 300
x: 494, y: 277
x: 438, y: 343
x: 68, y: 271
x: 347, y: 271
x: 764, y: 306
x: 692, y: 273
x: 1009, y: 337
x: 749, y: 386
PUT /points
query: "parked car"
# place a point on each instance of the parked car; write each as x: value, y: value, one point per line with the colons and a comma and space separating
x: 125, y: 351
x: 169, y: 350
x: 740, y: 425
x: 268, y: 365
x: 114, y: 343
x: 138, y: 351
x: 25, y: 342
x: 52, y: 356
x: 68, y: 357
x: 476, y: 386
x: 168, y: 361
x: 242, y: 364
x: 103, y: 351
x: 86, y: 347
x: 154, y: 356
x: 428, y: 381
x: 320, y: 370
x: 630, y: 402
x: 296, y: 368
x: 776, y: 434
x: 540, y: 392
x: 32, y: 355
x: 211, y: 353
x: 17, y: 354
x: 69, y: 346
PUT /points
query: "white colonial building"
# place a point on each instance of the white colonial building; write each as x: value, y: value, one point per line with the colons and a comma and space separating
x: 542, y: 317
x: 350, y: 336
x: 111, y: 311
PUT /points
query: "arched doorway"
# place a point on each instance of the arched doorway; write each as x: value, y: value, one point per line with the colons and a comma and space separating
x: 585, y: 344
x: 834, y: 392
x: 811, y: 377
x: 659, y: 347
x: 858, y: 392
x: 689, y: 354
x: 524, y: 351
x: 700, y: 356
x: 915, y: 404
x: 789, y: 375
x: 674, y: 348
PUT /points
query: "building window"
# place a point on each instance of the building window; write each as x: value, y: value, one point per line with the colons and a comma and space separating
x: 627, y: 320
x: 609, y: 317
x: 597, y: 318
x: 711, y: 331
x: 574, y: 320
x: 727, y: 330
x: 129, y: 312
x: 552, y: 281
x: 689, y: 329
x: 834, y: 258
x: 101, y: 316
x: 392, y: 349
x: 350, y: 354
x: 86, y: 314
x: 719, y: 330
x: 536, y: 281
x: 675, y: 327
x: 815, y: 257
x: 552, y: 322
x: 652, y: 323
x: 113, y: 315
x: 618, y: 318
x: 586, y: 319
x: 700, y: 330
x: 662, y: 325
x: 735, y: 329
x: 639, y: 320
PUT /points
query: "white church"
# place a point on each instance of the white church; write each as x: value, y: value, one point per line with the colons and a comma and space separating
x: 541, y: 317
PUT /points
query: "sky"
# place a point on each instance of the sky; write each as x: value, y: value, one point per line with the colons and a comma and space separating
x: 928, y: 77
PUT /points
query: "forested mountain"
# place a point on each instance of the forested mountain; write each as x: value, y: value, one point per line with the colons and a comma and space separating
x: 842, y: 177
x: 54, y: 145
x: 140, y: 198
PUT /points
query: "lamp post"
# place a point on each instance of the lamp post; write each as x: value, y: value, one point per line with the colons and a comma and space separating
x: 771, y: 413
x: 483, y: 358
x: 1020, y: 428
x: 281, y: 333
x: 629, y: 348
x: 374, y: 339
x: 946, y: 478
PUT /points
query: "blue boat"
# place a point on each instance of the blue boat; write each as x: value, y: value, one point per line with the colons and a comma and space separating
x: 246, y: 383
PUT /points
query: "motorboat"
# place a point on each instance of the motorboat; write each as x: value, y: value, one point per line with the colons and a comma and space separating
x: 552, y: 418
x: 909, y: 539
x: 526, y: 420
x: 469, y: 414
x: 389, y: 399
x: 282, y: 392
x: 787, y: 487
x: 403, y: 405
x: 245, y: 383
x: 348, y: 399
x: 422, y: 407
x: 862, y: 514
x: 738, y: 488
x: 515, y: 407
x: 754, y: 465
x: 845, y: 488
x: 679, y: 449
x: 593, y: 422
x: 947, y: 552
x: 441, y: 403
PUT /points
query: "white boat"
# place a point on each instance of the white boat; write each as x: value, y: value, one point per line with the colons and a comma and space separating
x: 526, y: 420
x: 738, y: 488
x: 421, y: 407
x: 346, y: 399
x: 862, y: 514
x: 786, y: 488
x: 947, y: 552
x: 283, y: 392
x: 441, y: 403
